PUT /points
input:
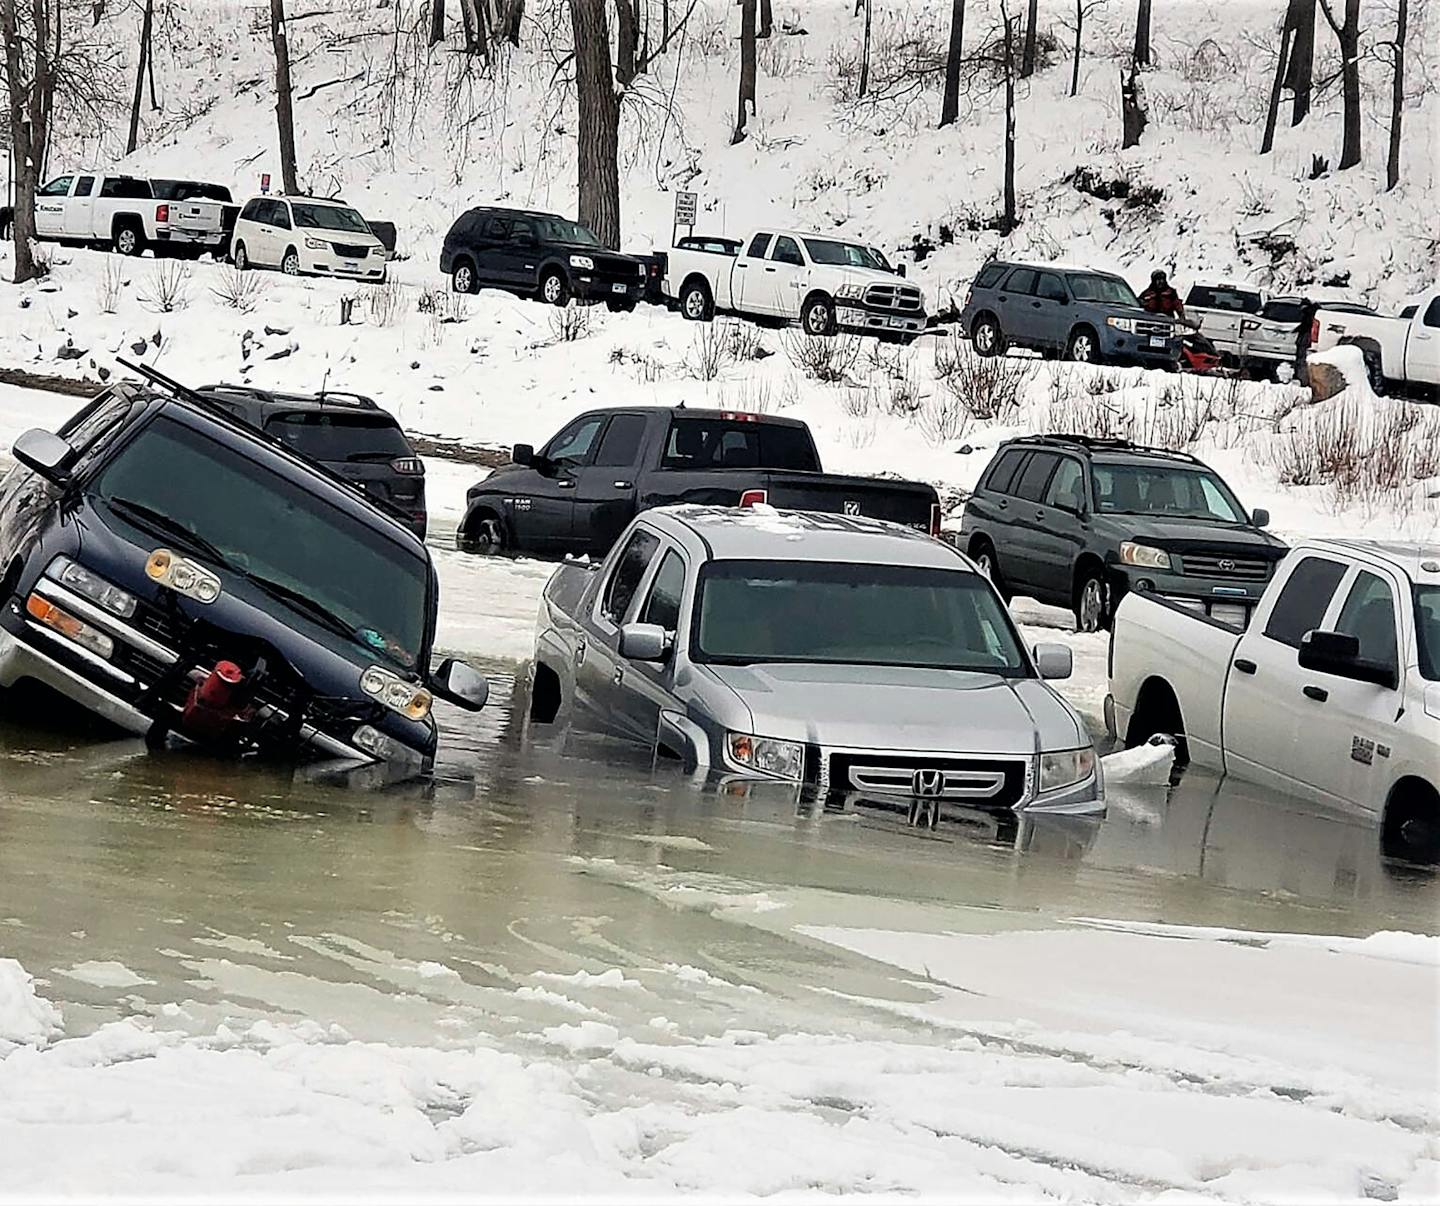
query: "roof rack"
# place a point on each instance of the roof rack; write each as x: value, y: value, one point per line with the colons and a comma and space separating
x: 1107, y: 444
x: 341, y: 397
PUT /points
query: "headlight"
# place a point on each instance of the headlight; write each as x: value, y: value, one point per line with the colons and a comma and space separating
x: 92, y: 586
x: 377, y: 250
x: 386, y: 748
x: 66, y: 625
x: 783, y: 759
x: 411, y: 701
x: 316, y: 244
x: 1065, y: 768
x: 1144, y: 556
x: 582, y: 261
x: 182, y: 576
x: 851, y: 292
x: 1122, y: 324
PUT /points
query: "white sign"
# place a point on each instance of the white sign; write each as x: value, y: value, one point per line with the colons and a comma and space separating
x: 685, y: 209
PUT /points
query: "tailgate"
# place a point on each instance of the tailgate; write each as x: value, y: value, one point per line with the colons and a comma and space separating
x: 197, y: 217
x: 909, y: 503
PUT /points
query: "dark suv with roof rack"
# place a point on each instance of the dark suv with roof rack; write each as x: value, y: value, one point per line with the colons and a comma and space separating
x: 349, y: 434
x: 1077, y: 522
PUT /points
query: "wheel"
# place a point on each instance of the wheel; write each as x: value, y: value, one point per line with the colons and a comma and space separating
x: 1092, y: 601
x: 618, y: 306
x: 129, y: 240
x: 1410, y: 828
x: 464, y: 280
x: 1084, y: 346
x: 695, y: 303
x: 290, y: 265
x: 989, y: 565
x: 485, y: 536
x: 817, y: 316
x: 239, y: 258
x: 986, y: 337
x: 1374, y: 371
x: 554, y: 289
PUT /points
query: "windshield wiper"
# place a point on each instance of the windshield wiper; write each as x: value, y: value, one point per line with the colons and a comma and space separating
x: 164, y: 525
x: 303, y: 603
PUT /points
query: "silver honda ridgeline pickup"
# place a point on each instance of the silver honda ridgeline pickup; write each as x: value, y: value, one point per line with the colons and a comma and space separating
x: 847, y: 654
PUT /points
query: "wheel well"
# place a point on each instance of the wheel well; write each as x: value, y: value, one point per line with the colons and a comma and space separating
x: 816, y: 295
x: 1157, y: 710
x: 553, y: 269
x: 1082, y: 567
x: 545, y: 695
x: 981, y: 317
x: 120, y: 221
x: 978, y: 542
x: 475, y: 514
x: 696, y: 279
x: 1410, y: 828
x: 1077, y: 328
x: 289, y: 249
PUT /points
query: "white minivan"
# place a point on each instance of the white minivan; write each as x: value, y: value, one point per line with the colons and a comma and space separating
x: 310, y: 235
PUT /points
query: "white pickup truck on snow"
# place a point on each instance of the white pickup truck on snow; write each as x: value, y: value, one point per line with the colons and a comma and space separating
x: 824, y: 284
x: 1331, y: 694
x: 130, y: 213
x: 1402, y: 350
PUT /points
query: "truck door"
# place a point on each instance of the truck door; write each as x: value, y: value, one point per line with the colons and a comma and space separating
x: 79, y: 217
x: 785, y: 277
x: 1422, y: 348
x: 746, y: 277
x: 636, y: 692
x: 50, y: 205
x: 600, y: 674
x: 1269, y: 728
x: 542, y: 507
x: 605, y: 488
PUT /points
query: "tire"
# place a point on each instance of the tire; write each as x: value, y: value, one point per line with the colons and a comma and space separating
x: 239, y: 258
x: 290, y: 262
x: 988, y: 563
x: 1093, y: 607
x: 129, y: 239
x: 986, y: 337
x: 1410, y: 828
x: 696, y: 303
x: 817, y: 316
x: 464, y: 279
x: 1157, y: 713
x: 1083, y: 347
x: 1374, y: 371
x: 484, y: 536
x: 554, y: 288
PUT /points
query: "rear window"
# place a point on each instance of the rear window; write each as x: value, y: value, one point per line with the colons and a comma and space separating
x: 1289, y: 310
x: 738, y: 444
x: 1236, y: 301
x: 189, y: 190
x: 340, y: 436
x: 989, y: 276
x: 125, y: 187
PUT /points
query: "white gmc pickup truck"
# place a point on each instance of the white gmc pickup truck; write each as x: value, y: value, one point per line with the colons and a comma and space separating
x: 1332, y: 694
x: 825, y: 284
x: 130, y: 213
x: 1401, y: 350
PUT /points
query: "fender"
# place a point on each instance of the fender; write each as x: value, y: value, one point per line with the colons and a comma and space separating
x: 687, y: 739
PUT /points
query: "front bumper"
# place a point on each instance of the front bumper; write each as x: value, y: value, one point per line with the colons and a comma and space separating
x: 1220, y: 599
x: 855, y: 316
x: 1138, y: 349
x: 371, y: 268
x: 19, y: 660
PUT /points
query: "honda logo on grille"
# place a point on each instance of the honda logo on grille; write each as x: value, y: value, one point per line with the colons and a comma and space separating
x: 850, y: 507
x: 928, y: 783
x: 1226, y: 564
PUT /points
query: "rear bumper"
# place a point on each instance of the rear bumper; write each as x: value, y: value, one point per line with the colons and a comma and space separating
x: 590, y: 287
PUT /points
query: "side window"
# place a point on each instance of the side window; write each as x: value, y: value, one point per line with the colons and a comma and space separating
x: 1067, y: 487
x: 1432, y: 312
x: 758, y: 245
x: 523, y: 229
x: 989, y: 276
x: 280, y: 215
x: 1022, y: 280
x: 620, y: 445
x: 252, y: 210
x: 1002, y: 477
x: 787, y: 251
x: 1304, y: 599
x: 662, y: 605
x: 495, y: 227
x: 627, y: 575
x: 59, y: 187
x: 1051, y: 287
x: 125, y: 188
x: 85, y: 186
x: 574, y: 443
x: 1034, y: 477
x: 1369, y: 615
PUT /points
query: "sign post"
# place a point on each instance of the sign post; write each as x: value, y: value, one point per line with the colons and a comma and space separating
x: 685, y: 206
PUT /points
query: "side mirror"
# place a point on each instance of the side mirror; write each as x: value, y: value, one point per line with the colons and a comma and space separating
x: 523, y: 454
x: 1054, y: 662
x: 644, y: 643
x: 1338, y: 653
x: 45, y: 453
x: 461, y: 684
x: 899, y: 269
x: 1260, y: 517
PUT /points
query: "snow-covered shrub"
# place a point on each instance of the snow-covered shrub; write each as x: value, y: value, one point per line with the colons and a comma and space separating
x: 942, y: 417
x: 110, y: 284
x: 645, y: 367
x: 570, y: 323
x: 238, y: 290
x: 858, y: 401
x: 444, y: 305
x: 989, y: 388
x: 387, y: 303
x: 167, y: 288
x: 1088, y: 414
x: 826, y: 358
x: 742, y: 341
x: 709, y: 352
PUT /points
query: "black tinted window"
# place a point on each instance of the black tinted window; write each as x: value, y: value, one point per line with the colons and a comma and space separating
x: 85, y: 186
x: 1432, y: 312
x: 89, y: 431
x: 1289, y: 310
x: 1050, y: 287
x: 59, y: 187
x: 253, y: 211
x: 1238, y: 301
x: 523, y: 228
x: 626, y: 576
x: 494, y: 226
x: 574, y: 443
x: 1002, y: 477
x: 758, y: 245
x: 340, y: 436
x: 620, y: 444
x: 1022, y: 280
x: 125, y: 187
x: 787, y: 251
x: 989, y: 276
x: 663, y: 605
x: 189, y: 190
x: 1303, y: 601
x: 720, y: 443
x: 1035, y: 476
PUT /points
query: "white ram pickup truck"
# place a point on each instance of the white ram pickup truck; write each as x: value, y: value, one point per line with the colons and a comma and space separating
x: 1332, y: 694
x: 825, y: 284
x: 1401, y: 350
x: 130, y: 213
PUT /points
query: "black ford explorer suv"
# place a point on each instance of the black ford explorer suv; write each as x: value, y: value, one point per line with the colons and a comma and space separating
x: 1077, y: 522
x: 180, y: 575
x: 349, y: 434
x: 582, y: 489
x: 538, y: 255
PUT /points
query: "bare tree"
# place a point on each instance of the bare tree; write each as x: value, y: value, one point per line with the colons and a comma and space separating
x: 1142, y: 33
x: 767, y: 19
x: 1008, y: 217
x: 146, y: 33
x: 284, y: 96
x: 1134, y: 116
x: 599, y: 113
x: 1027, y: 54
x: 1083, y: 8
x: 746, y: 106
x: 1347, y: 33
x: 1282, y: 63
x: 437, y: 22
x: 950, y: 104
x: 1397, y: 97
x: 627, y: 42
x: 508, y: 27
x: 30, y: 84
x: 865, y: 50
x: 1300, y: 73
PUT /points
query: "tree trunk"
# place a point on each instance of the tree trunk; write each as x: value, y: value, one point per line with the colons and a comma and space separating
x: 26, y: 140
x: 1134, y: 118
x: 437, y: 22
x: 146, y: 23
x: 1272, y: 113
x: 627, y: 38
x: 767, y: 19
x: 1300, y: 74
x: 1008, y: 220
x: 1027, y: 55
x: 97, y: 12
x: 599, y: 113
x: 664, y: 22
x: 150, y: 75
x: 950, y: 105
x: 1142, y: 33
x: 1075, y: 64
x: 284, y: 97
x: 510, y: 26
x: 746, y: 105
x: 1397, y: 98
x: 1350, y: 81
x: 865, y: 50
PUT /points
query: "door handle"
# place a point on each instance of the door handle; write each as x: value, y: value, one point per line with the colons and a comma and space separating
x: 742, y: 265
x: 1318, y: 694
x: 622, y: 485
x: 580, y: 654
x: 1004, y: 504
x: 1039, y: 514
x: 618, y: 677
x: 768, y: 268
x: 1245, y: 665
x: 565, y: 484
x: 1036, y: 304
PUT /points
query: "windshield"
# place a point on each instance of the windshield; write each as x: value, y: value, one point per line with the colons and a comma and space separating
x: 328, y: 217
x: 260, y: 524
x: 562, y: 230
x: 1427, y: 624
x: 877, y: 615
x: 189, y: 190
x: 339, y: 436
x: 1165, y: 490
x: 849, y: 255
x: 1091, y: 286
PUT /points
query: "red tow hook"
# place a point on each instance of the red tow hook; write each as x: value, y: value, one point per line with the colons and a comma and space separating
x: 211, y: 708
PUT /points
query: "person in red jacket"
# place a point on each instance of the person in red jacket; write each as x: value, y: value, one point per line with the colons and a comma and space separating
x: 1161, y: 298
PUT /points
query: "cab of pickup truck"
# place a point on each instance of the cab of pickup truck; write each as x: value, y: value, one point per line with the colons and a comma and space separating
x: 1399, y: 350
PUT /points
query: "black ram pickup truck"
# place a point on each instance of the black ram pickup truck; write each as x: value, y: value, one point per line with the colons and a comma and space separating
x: 578, y: 492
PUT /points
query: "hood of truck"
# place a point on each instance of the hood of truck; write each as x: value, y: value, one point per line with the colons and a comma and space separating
x: 1179, y: 533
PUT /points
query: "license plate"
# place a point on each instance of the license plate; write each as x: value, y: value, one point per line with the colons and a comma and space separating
x: 351, y: 266
x: 897, y: 322
x: 1157, y: 341
x: 617, y: 288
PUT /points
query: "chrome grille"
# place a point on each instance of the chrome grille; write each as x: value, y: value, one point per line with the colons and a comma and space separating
x: 993, y: 782
x: 1225, y: 565
x: 893, y: 297
x: 1154, y: 328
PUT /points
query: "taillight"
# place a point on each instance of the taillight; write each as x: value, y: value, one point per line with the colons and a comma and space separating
x: 751, y: 498
x: 411, y: 465
x: 935, y: 520
x: 162, y: 213
x: 1314, y: 331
